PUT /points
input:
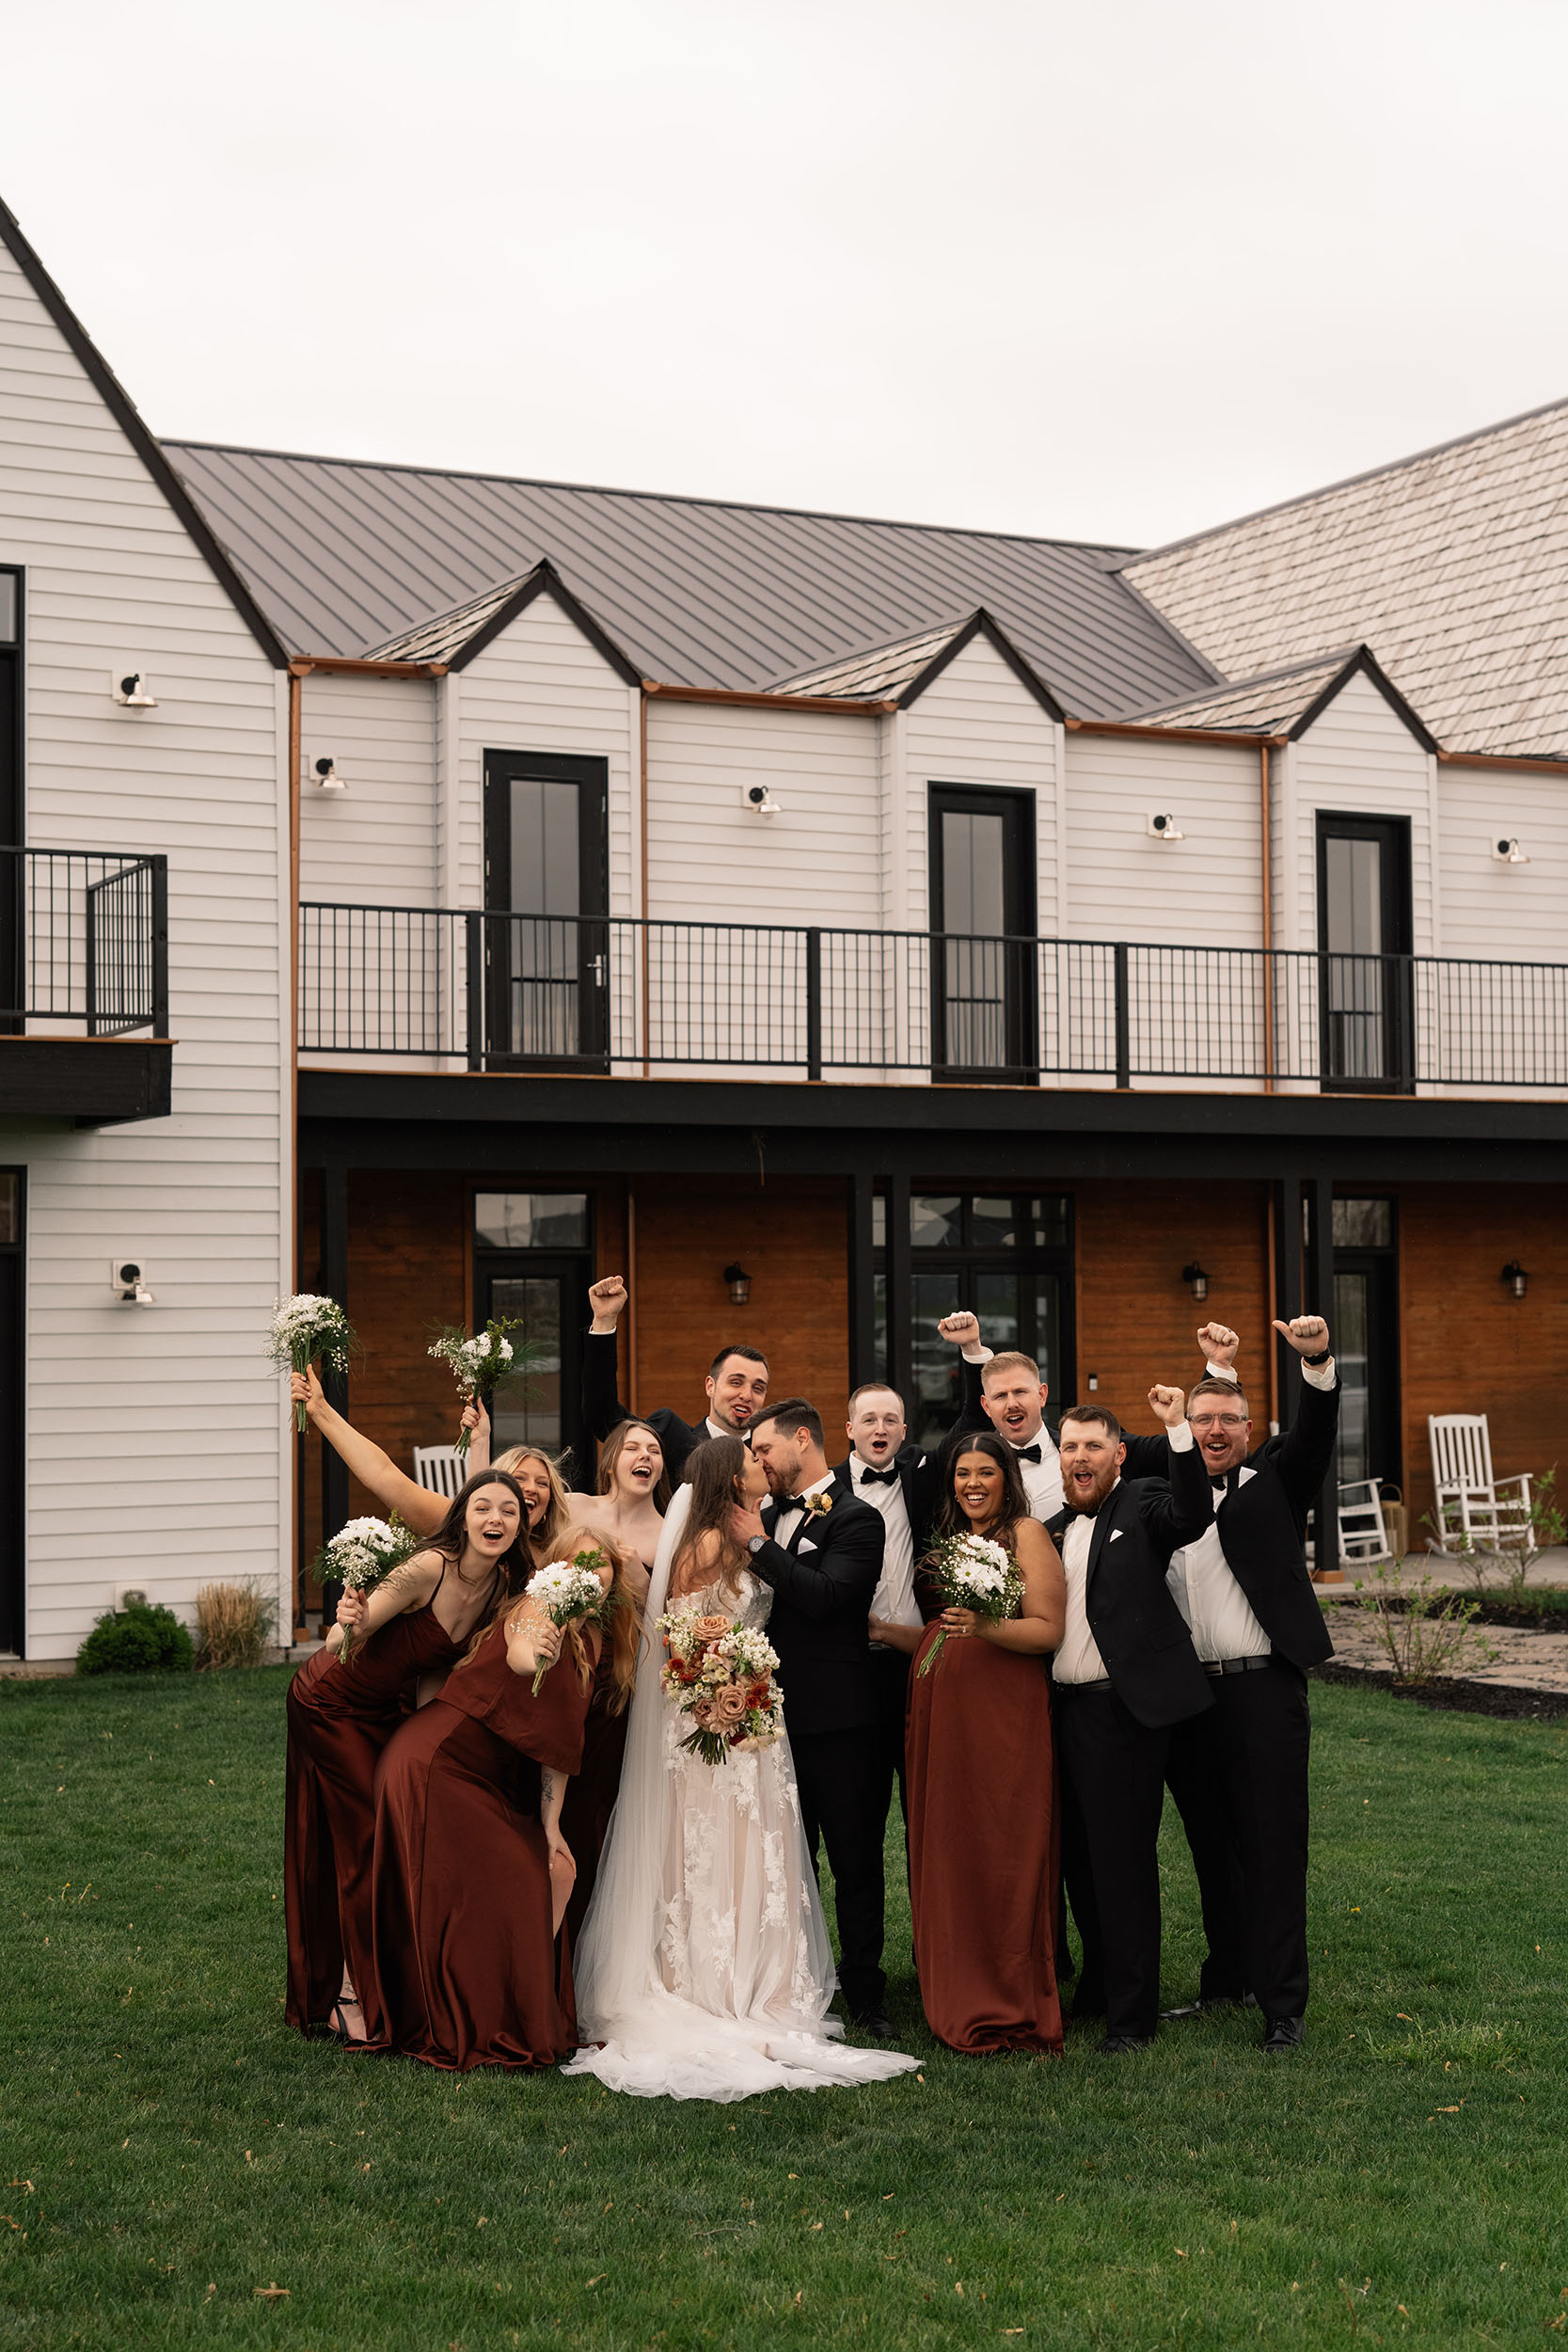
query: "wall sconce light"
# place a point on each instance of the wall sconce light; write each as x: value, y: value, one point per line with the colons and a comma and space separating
x: 1507, y: 852
x: 1514, y: 1276
x: 739, y: 1283
x: 759, y: 800
x: 1164, y: 827
x: 129, y: 688
x: 128, y: 1281
x: 328, y: 777
x: 1197, y: 1280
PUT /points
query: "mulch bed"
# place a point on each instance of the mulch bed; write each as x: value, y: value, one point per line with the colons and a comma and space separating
x: 1454, y: 1694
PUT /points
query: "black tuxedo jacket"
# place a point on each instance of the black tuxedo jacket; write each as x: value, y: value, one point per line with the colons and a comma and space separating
x: 823, y: 1581
x: 920, y: 1480
x: 1263, y: 1524
x: 1141, y: 1633
x: 603, y: 1411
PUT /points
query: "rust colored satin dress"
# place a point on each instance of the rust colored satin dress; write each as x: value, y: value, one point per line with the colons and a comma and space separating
x: 592, y: 1792
x: 339, y: 1717
x: 983, y: 1847
x: 468, y: 1969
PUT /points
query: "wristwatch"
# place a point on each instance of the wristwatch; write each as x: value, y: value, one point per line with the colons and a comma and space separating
x: 754, y: 1543
x: 1315, y: 1361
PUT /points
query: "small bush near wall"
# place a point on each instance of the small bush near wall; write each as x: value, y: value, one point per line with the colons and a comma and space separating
x: 233, y: 1625
x: 137, y: 1639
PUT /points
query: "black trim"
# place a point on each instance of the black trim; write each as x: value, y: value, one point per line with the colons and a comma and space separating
x: 1016, y: 945
x: 1396, y: 1013
x: 13, y: 1460
x: 586, y: 946
x: 114, y: 397
x: 980, y: 624
x: 1362, y: 663
x: 13, y: 803
x: 95, y: 1082
x: 545, y: 580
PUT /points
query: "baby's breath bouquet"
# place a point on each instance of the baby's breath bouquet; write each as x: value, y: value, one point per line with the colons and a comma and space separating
x: 481, y: 1364
x: 307, y: 1329
x: 972, y: 1572
x: 362, y: 1553
x: 568, y: 1589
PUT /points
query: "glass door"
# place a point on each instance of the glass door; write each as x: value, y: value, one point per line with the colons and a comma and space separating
x: 1366, y: 1340
x: 534, y: 1262
x: 544, y: 872
x: 982, y: 852
x: 12, y: 1472
x: 12, y: 872
x: 1364, y: 948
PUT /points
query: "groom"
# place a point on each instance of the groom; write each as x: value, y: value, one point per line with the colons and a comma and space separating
x: 821, y: 1552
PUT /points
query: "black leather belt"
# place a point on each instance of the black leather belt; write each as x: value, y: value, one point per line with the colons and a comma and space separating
x: 1100, y: 1683
x: 1237, y: 1666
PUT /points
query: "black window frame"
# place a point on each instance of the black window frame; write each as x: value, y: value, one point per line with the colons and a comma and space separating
x: 591, y: 961
x: 573, y: 1265
x: 1378, y: 1264
x: 13, y: 1457
x: 1016, y: 808
x: 13, y: 809
x: 1396, y: 991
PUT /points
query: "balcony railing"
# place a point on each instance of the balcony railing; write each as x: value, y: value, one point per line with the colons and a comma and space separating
x: 84, y: 942
x: 498, y: 991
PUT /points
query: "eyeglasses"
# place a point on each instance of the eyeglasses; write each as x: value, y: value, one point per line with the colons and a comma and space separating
x: 1216, y: 1420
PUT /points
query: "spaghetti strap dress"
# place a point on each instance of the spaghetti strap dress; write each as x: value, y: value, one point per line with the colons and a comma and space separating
x: 467, y: 1968
x: 341, y: 1715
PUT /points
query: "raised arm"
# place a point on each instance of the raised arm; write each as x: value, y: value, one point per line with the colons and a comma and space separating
x: 602, y: 1409
x: 1176, y: 1513
x: 375, y: 1470
x: 963, y: 1331
x: 1306, y: 1449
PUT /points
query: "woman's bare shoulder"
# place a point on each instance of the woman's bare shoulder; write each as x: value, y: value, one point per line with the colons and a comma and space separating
x: 1031, y: 1545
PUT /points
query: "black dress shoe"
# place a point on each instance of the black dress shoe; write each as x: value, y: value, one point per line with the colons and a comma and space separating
x: 1284, y: 2033
x: 1119, y: 2044
x: 875, y: 2023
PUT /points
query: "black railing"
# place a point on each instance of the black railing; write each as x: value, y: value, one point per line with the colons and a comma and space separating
x: 83, y: 941
x: 536, y: 991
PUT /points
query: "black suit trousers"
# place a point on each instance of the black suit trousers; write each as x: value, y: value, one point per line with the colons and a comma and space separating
x: 1114, y: 1793
x: 890, y: 1672
x: 1245, y: 1779
x: 843, y: 1803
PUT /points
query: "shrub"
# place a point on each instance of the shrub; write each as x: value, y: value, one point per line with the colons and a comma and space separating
x: 233, y: 1625
x: 137, y: 1639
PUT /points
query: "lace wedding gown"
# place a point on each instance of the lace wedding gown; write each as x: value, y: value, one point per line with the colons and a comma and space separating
x: 704, y: 1970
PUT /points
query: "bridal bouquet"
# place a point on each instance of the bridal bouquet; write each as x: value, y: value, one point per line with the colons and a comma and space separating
x: 482, y: 1363
x: 306, y: 1328
x: 360, y: 1554
x: 972, y: 1572
x: 568, y: 1589
x: 721, y: 1675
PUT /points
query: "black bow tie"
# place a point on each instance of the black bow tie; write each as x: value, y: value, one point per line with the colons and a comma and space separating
x: 870, y: 1477
x: 1027, y: 1452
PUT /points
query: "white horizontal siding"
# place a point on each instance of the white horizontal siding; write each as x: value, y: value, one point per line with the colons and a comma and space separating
x: 1205, y: 890
x: 975, y: 723
x: 374, y: 842
x: 1358, y: 758
x: 1494, y: 910
x: 140, y: 1422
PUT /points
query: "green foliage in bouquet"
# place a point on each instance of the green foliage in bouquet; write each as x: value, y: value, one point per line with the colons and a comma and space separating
x: 137, y: 1639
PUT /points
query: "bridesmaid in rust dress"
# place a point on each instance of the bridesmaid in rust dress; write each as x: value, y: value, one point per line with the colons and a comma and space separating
x: 471, y: 1872
x: 342, y: 1711
x: 983, y: 1813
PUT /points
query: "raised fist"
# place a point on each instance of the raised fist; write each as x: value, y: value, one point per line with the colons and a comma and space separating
x: 1306, y: 1334
x: 607, y: 1299
x: 1169, y: 1405
x: 1218, y: 1345
x: 962, y: 1330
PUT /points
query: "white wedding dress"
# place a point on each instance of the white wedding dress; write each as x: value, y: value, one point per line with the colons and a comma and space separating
x: 704, y: 1970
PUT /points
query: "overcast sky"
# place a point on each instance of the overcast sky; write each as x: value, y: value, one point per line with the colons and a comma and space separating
x: 1114, y: 271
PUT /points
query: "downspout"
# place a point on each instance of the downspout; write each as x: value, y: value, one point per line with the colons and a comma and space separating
x: 1267, y: 828
x: 643, y: 818
x: 294, y: 688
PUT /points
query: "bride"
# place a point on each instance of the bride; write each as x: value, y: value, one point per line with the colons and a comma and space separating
x: 704, y: 1970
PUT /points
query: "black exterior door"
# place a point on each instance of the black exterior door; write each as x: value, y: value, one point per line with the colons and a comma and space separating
x: 983, y: 953
x: 12, y: 1476
x: 546, y: 896
x: 1366, y: 1340
x: 534, y: 1261
x: 1364, y: 947
x: 12, y: 874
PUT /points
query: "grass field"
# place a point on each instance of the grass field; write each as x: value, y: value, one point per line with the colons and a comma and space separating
x: 168, y: 2149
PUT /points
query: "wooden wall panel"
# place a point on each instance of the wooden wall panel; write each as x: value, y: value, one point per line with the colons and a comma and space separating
x: 1137, y: 1321
x: 407, y: 1270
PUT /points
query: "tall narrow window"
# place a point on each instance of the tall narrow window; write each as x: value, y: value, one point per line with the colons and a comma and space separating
x: 983, y: 994
x: 12, y: 819
x: 1366, y: 1338
x: 1364, y: 947
x: 545, y: 827
x: 13, y: 1470
x: 534, y: 1259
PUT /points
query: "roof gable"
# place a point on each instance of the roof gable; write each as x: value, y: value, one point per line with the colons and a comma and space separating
x: 454, y: 637
x: 123, y: 409
x: 901, y: 671
x: 1284, y: 702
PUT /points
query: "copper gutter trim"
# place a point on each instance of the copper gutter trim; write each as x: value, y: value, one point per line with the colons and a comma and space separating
x: 1266, y: 828
x: 1504, y: 759
x: 349, y: 665
x: 1237, y: 737
x: 749, y: 699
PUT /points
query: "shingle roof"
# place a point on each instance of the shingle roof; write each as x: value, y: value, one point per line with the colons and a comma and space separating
x: 344, y: 556
x: 1259, y: 705
x: 438, y: 640
x: 1454, y: 564
x: 879, y: 673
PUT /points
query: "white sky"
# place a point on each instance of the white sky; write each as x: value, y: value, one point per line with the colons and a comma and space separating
x: 1109, y: 271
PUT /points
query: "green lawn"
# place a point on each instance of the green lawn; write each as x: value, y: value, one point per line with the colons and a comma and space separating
x: 169, y: 2148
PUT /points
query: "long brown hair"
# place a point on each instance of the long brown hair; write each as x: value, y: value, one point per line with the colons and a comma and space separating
x: 543, y: 1540
x: 714, y: 1472
x: 623, y: 1631
x: 610, y: 1453
x: 452, y: 1534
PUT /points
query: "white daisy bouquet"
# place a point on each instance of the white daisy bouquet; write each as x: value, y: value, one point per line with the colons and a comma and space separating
x: 482, y: 1363
x: 721, y: 1676
x: 362, y: 1553
x: 568, y: 1589
x: 972, y: 1572
x: 307, y: 1329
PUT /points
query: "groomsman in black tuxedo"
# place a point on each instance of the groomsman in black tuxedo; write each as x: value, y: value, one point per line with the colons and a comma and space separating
x: 821, y: 1552
x: 736, y: 1385
x: 901, y: 1482
x: 1125, y: 1674
x: 1240, y: 1771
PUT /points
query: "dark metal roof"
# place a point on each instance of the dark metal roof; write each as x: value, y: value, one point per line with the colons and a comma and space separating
x: 343, y: 555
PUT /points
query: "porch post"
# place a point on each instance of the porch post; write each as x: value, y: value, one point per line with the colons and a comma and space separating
x: 1319, y: 1300
x: 900, y: 1349
x: 334, y: 1251
x: 863, y: 1300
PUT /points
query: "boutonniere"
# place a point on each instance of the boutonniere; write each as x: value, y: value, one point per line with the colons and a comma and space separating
x: 819, y: 1505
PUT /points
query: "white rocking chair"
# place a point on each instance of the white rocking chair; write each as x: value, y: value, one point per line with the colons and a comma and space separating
x: 1363, y: 1529
x: 1475, y: 1511
x: 440, y: 1468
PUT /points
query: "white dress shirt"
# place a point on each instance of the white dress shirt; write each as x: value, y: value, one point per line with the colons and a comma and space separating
x: 894, y: 1599
x: 1203, y: 1584
x: 1042, y: 1479
x: 1078, y: 1659
x: 792, y: 1508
